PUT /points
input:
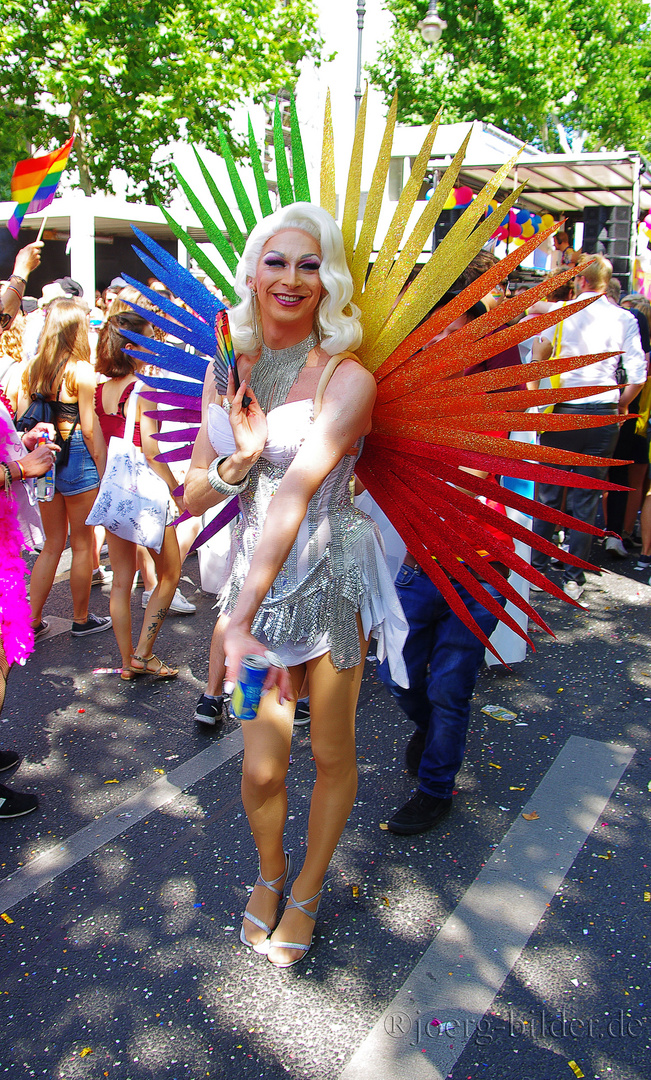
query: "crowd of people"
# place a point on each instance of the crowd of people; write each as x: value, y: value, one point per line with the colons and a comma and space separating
x: 307, y: 586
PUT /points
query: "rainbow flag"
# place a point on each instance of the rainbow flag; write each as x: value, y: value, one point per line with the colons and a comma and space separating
x: 34, y: 184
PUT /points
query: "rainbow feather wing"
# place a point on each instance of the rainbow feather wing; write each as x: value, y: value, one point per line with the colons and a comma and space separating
x: 429, y: 424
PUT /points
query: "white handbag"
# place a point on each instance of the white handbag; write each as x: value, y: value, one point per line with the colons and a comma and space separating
x: 133, y: 500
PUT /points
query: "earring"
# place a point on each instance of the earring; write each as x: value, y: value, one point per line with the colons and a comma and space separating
x: 254, y: 316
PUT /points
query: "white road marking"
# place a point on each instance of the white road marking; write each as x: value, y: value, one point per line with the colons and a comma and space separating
x: 476, y: 948
x: 61, y: 857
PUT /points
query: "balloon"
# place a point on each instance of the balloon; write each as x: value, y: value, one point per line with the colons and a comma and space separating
x: 450, y: 203
x: 463, y: 196
x: 429, y: 193
x: 528, y: 229
x: 547, y: 221
x: 516, y: 230
x: 522, y: 216
x: 536, y: 220
x: 518, y: 241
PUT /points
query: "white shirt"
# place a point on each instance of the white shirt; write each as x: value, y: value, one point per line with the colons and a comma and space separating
x: 600, y: 327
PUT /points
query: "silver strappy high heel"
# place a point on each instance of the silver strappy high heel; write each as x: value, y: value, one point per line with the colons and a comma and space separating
x: 300, y: 904
x: 262, y: 946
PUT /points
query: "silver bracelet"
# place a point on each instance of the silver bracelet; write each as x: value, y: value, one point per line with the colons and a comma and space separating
x: 220, y: 485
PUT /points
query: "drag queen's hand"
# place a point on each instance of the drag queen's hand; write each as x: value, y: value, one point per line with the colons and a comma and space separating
x: 239, y: 642
x: 249, y: 424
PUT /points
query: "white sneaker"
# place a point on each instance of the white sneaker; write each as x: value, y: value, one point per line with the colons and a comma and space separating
x: 573, y: 589
x: 101, y: 576
x: 179, y: 605
x: 614, y: 546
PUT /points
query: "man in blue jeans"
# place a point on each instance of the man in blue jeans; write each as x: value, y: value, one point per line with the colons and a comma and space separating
x: 442, y: 655
x: 443, y: 658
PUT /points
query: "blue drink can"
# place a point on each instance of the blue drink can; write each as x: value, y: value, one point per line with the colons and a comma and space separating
x: 248, y: 688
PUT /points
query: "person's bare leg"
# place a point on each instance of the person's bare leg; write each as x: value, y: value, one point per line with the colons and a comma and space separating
x: 186, y: 534
x: 99, y: 536
x: 78, y: 508
x: 217, y: 660
x: 168, y: 571
x: 645, y: 525
x: 147, y: 569
x: 267, y: 741
x: 123, y: 560
x: 636, y: 477
x: 333, y: 704
x: 55, y: 527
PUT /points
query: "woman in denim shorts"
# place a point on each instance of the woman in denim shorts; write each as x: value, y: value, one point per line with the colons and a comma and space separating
x: 62, y: 372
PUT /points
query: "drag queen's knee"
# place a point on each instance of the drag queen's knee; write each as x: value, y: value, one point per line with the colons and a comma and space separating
x: 263, y: 776
x: 335, y: 760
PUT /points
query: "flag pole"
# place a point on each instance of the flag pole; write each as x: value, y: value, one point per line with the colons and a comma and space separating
x: 40, y: 231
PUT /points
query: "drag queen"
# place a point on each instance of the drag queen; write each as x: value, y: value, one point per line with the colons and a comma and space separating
x: 308, y: 576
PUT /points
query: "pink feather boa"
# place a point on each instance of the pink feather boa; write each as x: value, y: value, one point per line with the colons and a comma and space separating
x: 15, y: 613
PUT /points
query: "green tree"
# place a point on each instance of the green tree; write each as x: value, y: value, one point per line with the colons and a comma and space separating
x: 547, y: 71
x: 131, y: 76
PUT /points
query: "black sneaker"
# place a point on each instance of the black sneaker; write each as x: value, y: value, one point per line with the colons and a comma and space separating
x: 41, y: 630
x: 15, y: 804
x: 94, y: 625
x: 302, y: 713
x: 209, y: 710
x: 418, y: 815
x: 643, y: 562
x: 414, y: 751
x: 8, y: 758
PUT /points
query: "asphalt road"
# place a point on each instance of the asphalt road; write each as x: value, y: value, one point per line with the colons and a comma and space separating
x: 121, y: 899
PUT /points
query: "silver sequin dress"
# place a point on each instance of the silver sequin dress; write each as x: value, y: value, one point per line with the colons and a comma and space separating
x: 336, y: 567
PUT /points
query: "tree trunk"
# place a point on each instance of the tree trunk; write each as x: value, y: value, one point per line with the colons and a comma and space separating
x: 77, y: 129
x: 544, y: 135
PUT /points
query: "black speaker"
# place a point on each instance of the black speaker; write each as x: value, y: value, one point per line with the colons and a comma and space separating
x: 607, y: 231
x: 447, y: 218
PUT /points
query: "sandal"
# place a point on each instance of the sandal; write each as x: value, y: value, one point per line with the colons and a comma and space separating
x: 161, y: 670
x: 127, y: 674
x: 261, y: 946
x: 300, y: 904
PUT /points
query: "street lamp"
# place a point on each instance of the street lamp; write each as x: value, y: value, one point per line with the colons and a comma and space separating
x: 432, y: 26
x: 361, y: 4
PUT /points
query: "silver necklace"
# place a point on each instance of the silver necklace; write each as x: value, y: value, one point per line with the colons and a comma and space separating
x: 274, y: 374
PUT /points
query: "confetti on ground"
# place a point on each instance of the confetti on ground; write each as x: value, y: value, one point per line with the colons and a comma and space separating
x: 647, y: 898
x: 7, y: 918
x: 355, y: 891
x: 81, y: 710
x: 533, y: 816
x: 493, y: 765
x: 560, y: 690
x: 384, y: 826
x: 385, y: 900
x: 107, y: 671
x: 111, y: 781
x: 87, y: 1050
x: 608, y: 855
x: 161, y: 772
x: 442, y: 1029
x: 516, y: 788
x: 498, y: 712
x: 575, y: 1069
